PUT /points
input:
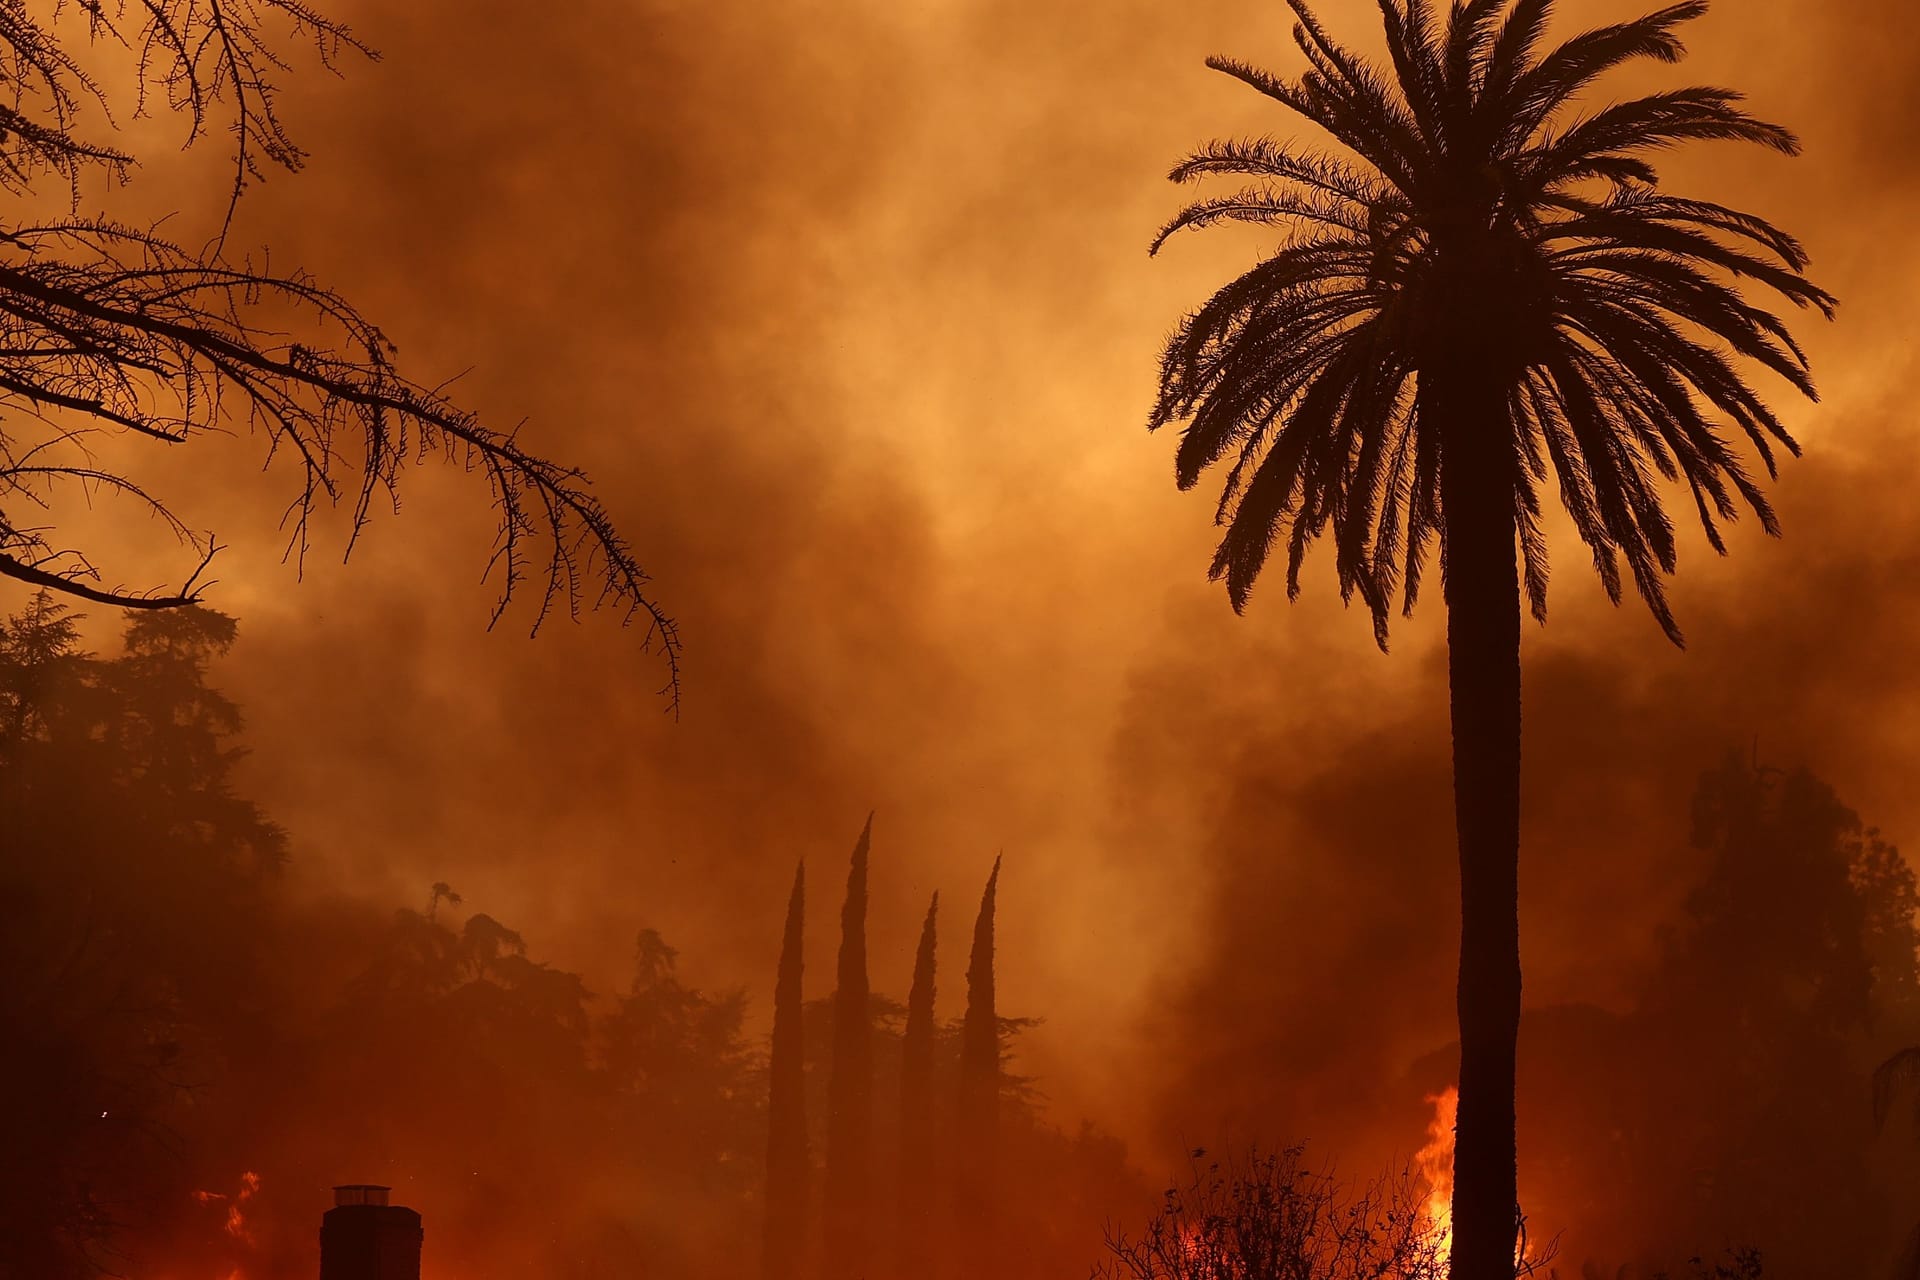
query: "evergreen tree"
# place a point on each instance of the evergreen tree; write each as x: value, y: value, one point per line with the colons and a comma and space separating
x: 134, y: 909
x: 850, y: 1090
x: 786, y: 1195
x: 979, y: 1079
x: 915, y: 1222
x: 41, y: 662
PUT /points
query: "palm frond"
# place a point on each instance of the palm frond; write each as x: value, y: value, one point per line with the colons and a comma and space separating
x: 1656, y: 122
x: 1330, y: 113
x: 1263, y: 205
x: 1470, y: 33
x: 1419, y: 72
x: 1556, y: 78
x: 1513, y: 49
x: 1474, y: 221
x: 1263, y: 157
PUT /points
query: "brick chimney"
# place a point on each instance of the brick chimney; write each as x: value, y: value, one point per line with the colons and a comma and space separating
x: 364, y: 1238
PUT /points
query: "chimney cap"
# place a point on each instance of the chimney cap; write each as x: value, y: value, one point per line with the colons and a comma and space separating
x: 359, y: 1193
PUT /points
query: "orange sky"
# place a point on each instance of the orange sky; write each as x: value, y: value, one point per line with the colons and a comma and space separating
x: 846, y: 307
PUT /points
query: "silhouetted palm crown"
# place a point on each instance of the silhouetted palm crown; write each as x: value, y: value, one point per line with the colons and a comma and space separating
x: 1474, y: 191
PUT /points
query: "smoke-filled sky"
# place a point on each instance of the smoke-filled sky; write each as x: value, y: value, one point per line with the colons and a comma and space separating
x: 846, y: 308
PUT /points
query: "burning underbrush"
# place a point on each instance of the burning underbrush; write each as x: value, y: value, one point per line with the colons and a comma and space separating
x: 1265, y: 1215
x: 1271, y: 1213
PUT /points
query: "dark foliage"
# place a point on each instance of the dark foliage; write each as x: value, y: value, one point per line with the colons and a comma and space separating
x: 1729, y: 1101
x: 980, y: 1044
x: 788, y: 1163
x: 197, y: 1046
x: 977, y: 1183
x: 1736, y: 1264
x: 1053, y: 1188
x: 122, y: 833
x: 181, y: 1033
x: 914, y: 1225
x: 847, y: 1207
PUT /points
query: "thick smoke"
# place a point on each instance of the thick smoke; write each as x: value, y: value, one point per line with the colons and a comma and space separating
x: 847, y: 310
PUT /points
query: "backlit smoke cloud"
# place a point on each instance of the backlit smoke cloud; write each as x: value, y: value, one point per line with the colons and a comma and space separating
x: 846, y: 307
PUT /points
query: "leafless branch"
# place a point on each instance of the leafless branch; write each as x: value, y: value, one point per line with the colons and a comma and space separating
x: 115, y: 328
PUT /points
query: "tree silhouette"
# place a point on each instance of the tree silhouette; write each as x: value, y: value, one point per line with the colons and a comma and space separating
x: 108, y: 328
x: 850, y: 1090
x: 177, y: 1015
x: 1484, y: 288
x: 784, y: 1245
x: 1271, y: 1214
x: 979, y: 1111
x: 914, y: 1223
x: 42, y: 669
x: 131, y: 883
x: 1773, y: 988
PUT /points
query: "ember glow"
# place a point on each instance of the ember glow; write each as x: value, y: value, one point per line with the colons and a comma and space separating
x: 236, y: 1205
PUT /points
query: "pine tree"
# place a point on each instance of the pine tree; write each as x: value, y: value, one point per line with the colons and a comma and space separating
x: 786, y: 1197
x: 979, y: 1081
x: 850, y: 1091
x: 41, y: 666
x: 915, y: 1223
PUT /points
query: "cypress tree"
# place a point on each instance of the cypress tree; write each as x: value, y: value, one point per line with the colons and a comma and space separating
x: 784, y: 1243
x: 979, y: 1109
x: 915, y: 1224
x: 850, y: 1090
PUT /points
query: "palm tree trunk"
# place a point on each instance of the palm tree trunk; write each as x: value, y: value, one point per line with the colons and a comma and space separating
x: 1483, y: 652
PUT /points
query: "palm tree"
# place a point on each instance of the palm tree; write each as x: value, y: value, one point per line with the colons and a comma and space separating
x: 1480, y: 284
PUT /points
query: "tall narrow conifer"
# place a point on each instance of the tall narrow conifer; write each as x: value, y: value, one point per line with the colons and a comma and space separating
x: 915, y: 1221
x: 783, y: 1244
x: 850, y: 1089
x: 979, y: 1109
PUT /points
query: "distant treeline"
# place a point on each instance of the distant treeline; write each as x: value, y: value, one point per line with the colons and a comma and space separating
x: 174, y: 1018
x: 193, y: 1053
x: 1727, y: 1101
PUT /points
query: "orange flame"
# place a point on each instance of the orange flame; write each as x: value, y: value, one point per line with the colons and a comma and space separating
x: 1435, y: 1161
x: 236, y: 1225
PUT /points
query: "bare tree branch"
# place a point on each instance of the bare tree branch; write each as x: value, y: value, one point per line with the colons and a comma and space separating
x: 106, y: 327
